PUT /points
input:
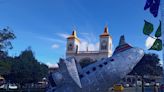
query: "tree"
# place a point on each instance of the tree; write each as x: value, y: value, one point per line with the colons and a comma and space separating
x: 26, y: 69
x: 149, y: 65
x: 6, y: 35
x: 22, y: 69
x: 4, y: 68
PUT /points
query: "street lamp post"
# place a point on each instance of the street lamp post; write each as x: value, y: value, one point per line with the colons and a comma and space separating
x: 142, y: 83
x: 136, y: 79
x: 162, y: 28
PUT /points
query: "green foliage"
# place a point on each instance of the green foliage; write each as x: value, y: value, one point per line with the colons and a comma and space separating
x: 148, y: 28
x: 27, y: 69
x: 22, y: 69
x: 4, y: 68
x: 149, y: 65
x: 5, y: 37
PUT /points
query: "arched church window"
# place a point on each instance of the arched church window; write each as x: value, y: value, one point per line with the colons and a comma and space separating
x: 70, y: 47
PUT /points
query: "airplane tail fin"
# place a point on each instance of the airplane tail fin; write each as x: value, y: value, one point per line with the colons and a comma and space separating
x: 122, y: 45
x: 72, y: 70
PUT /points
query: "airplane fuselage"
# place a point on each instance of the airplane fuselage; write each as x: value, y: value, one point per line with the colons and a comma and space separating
x: 103, y: 74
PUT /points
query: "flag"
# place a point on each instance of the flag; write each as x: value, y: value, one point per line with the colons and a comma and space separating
x: 157, y: 45
x: 158, y: 33
x: 148, y: 28
x: 154, y: 8
x: 153, y: 5
x: 148, y: 4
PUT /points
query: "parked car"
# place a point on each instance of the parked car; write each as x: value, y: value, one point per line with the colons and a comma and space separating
x: 2, y: 81
x: 118, y: 87
x: 126, y: 85
x: 147, y: 84
x: 2, y: 86
x: 13, y: 86
x: 157, y: 84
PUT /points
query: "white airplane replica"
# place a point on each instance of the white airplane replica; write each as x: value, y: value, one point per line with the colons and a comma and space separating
x: 96, y: 77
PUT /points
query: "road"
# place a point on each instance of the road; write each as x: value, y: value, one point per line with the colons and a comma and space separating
x: 139, y: 89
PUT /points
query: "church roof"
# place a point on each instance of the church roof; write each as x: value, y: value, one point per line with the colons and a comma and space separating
x: 106, y: 33
x: 73, y: 36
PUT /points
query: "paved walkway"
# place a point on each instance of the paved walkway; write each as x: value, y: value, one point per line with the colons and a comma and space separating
x: 134, y: 89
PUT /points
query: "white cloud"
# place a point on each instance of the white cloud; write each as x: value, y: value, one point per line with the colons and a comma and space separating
x: 90, y: 45
x: 149, y: 42
x: 55, y: 46
x: 89, y: 40
x: 83, y: 33
x: 97, y: 46
x: 52, y: 65
x: 83, y: 45
x: 89, y: 37
x: 63, y: 35
x: 51, y: 39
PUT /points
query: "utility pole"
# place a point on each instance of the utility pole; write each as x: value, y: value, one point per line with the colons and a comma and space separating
x: 142, y: 83
x: 162, y: 29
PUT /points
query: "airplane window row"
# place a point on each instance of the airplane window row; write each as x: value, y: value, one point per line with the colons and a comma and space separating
x: 112, y: 59
x: 94, y: 68
x: 88, y: 72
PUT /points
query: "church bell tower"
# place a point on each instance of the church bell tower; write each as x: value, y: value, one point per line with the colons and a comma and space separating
x: 73, y: 44
x: 105, y: 47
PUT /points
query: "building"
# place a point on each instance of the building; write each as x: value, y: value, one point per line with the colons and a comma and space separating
x: 105, y: 48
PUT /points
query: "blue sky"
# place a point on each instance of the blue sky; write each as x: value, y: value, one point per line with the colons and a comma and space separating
x: 44, y: 24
